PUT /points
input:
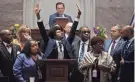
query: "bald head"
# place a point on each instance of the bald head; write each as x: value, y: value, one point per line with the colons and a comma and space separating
x: 3, y: 32
x: 127, y: 32
x: 6, y: 36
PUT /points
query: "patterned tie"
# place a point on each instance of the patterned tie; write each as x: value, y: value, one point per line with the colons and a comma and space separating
x: 112, y: 48
x: 82, y: 52
x: 60, y: 45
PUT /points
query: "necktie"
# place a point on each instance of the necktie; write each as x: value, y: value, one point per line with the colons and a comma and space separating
x: 60, y: 46
x: 112, y: 47
x: 9, y: 45
x: 81, y: 52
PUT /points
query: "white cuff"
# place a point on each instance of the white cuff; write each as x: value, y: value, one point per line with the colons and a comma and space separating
x: 39, y: 20
x: 76, y: 19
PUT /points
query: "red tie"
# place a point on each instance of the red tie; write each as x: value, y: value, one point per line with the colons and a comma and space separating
x: 112, y: 48
x: 9, y: 45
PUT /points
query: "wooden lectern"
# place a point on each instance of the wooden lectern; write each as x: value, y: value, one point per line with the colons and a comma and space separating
x: 55, y: 70
x: 62, y: 21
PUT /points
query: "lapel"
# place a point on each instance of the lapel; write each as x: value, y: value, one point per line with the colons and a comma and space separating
x: 14, y: 52
x: 5, y: 52
x: 89, y: 47
x: 131, y: 46
x: 29, y: 61
x: 129, y: 50
x: 77, y: 49
x: 118, y: 45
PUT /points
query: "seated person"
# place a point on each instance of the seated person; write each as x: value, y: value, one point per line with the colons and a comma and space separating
x: 60, y: 7
x: 26, y: 63
x: 97, y: 64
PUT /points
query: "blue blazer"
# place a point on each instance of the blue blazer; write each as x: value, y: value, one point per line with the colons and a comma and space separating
x: 53, y: 16
x: 24, y: 68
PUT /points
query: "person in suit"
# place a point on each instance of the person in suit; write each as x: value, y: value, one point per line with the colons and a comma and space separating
x: 79, y: 49
x: 126, y: 72
x: 57, y: 46
x: 25, y: 66
x: 112, y: 46
x: 60, y: 7
x: 8, y: 54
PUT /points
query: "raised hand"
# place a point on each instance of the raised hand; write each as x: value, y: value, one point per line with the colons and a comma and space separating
x: 79, y: 12
x: 36, y: 9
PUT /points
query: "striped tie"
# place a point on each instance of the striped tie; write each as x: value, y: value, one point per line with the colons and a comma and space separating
x: 82, y: 52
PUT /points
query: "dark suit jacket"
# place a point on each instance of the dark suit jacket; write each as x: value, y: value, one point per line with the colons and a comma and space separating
x: 51, y: 49
x: 127, y: 70
x: 116, y: 55
x: 7, y: 60
x: 53, y: 16
x: 117, y: 51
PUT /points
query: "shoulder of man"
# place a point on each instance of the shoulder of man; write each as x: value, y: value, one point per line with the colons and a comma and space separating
x: 67, y: 15
x: 54, y: 15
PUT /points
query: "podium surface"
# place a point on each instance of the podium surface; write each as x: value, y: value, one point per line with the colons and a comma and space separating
x: 62, y: 21
x: 55, y: 70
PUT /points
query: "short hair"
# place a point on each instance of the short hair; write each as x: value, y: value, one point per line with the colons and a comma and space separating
x: 96, y: 39
x: 3, y: 32
x: 27, y: 48
x: 82, y: 28
x: 60, y: 3
x: 130, y: 29
x: 52, y: 31
x: 119, y: 27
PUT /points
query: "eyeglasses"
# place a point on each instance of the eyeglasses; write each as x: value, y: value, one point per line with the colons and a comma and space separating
x: 86, y: 32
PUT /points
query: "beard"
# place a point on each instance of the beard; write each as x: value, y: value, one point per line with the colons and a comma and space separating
x: 125, y: 38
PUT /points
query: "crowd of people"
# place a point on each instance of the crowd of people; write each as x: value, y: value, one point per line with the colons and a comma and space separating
x: 98, y: 59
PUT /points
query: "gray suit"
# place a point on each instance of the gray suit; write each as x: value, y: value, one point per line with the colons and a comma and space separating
x: 76, y: 75
x: 76, y: 47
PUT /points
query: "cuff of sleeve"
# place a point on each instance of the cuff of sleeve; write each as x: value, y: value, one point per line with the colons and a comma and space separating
x: 39, y: 20
x: 76, y: 19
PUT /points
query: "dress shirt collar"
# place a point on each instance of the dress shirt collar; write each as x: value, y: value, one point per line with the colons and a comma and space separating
x: 5, y: 44
x: 131, y: 39
x: 87, y: 42
x: 117, y: 39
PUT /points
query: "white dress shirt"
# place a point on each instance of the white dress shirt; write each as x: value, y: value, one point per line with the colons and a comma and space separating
x: 8, y: 48
x: 85, y: 47
x: 130, y: 41
x: 60, y: 53
x: 116, y: 42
